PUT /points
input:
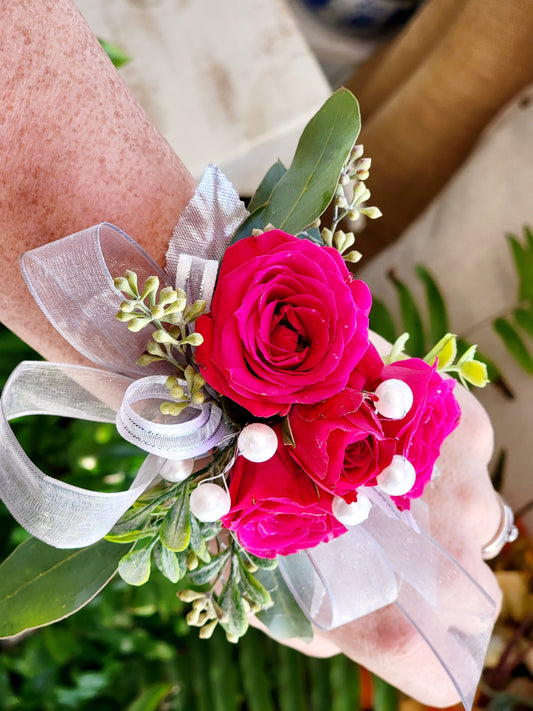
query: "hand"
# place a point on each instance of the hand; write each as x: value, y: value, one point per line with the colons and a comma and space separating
x: 464, y: 515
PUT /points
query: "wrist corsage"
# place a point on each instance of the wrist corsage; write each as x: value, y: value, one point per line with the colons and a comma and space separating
x: 286, y: 456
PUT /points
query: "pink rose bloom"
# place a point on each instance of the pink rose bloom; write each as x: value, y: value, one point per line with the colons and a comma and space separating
x: 434, y: 414
x: 276, y: 508
x: 340, y: 443
x: 288, y: 324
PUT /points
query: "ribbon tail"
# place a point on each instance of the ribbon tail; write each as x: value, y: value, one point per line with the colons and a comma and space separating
x: 392, y: 559
x: 62, y: 515
x: 203, y: 234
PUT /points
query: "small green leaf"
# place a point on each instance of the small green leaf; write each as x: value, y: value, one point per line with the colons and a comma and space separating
x: 252, y: 589
x: 266, y: 186
x: 231, y: 602
x: 131, y: 536
x: 115, y: 53
x: 398, y: 349
x: 40, y: 584
x: 438, y: 318
x: 263, y: 563
x: 205, y: 573
x: 134, y: 568
x: 475, y: 373
x: 307, y: 188
x: 210, y: 529
x: 173, y: 566
x: 445, y: 351
x: 412, y: 323
x: 285, y: 618
x: 288, y: 437
x: 468, y: 355
x: 197, y: 542
x: 514, y: 343
x: 381, y: 321
x: 176, y: 528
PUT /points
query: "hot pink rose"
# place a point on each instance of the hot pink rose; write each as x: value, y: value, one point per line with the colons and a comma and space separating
x: 288, y: 324
x: 276, y: 508
x: 340, y: 443
x: 434, y: 414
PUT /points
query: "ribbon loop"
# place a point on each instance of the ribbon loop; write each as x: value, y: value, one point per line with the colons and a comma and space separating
x: 58, y: 513
x: 197, y: 430
x: 72, y: 282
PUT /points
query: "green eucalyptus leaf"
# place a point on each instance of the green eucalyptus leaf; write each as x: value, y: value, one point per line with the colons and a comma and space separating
x: 252, y: 222
x: 40, y: 584
x: 231, y: 602
x: 438, y: 317
x: 381, y: 321
x: 173, y: 566
x: 285, y: 618
x: 135, y: 567
x: 412, y: 322
x: 266, y: 186
x: 176, y: 527
x: 205, y: 573
x: 514, y: 343
x: 312, y: 234
x: 307, y: 188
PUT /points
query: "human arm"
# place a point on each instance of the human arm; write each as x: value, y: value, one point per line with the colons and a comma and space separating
x: 76, y: 149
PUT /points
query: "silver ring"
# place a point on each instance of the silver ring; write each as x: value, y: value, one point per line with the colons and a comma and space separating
x: 507, y: 532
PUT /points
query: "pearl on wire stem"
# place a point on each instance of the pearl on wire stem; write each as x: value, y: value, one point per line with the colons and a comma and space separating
x: 257, y: 442
x: 395, y: 399
x: 209, y: 502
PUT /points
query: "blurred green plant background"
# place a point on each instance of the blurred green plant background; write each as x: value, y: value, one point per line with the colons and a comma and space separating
x: 131, y: 648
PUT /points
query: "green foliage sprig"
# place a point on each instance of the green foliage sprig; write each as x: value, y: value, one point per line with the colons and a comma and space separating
x: 452, y: 354
x: 173, y: 319
x: 164, y: 529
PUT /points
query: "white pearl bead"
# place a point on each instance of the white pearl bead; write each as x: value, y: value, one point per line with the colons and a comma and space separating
x: 351, y: 514
x: 177, y: 469
x: 257, y: 442
x: 398, y: 478
x: 209, y: 502
x: 395, y: 399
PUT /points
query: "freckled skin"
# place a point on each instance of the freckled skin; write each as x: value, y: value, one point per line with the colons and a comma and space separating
x: 76, y: 150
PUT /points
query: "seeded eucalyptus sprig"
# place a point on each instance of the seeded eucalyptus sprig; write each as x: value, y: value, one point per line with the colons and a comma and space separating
x: 353, y: 174
x: 168, y: 312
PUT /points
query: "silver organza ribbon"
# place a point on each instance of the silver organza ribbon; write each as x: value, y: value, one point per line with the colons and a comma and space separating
x: 390, y: 559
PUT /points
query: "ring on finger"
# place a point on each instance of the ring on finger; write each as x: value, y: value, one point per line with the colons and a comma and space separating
x: 507, y: 532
